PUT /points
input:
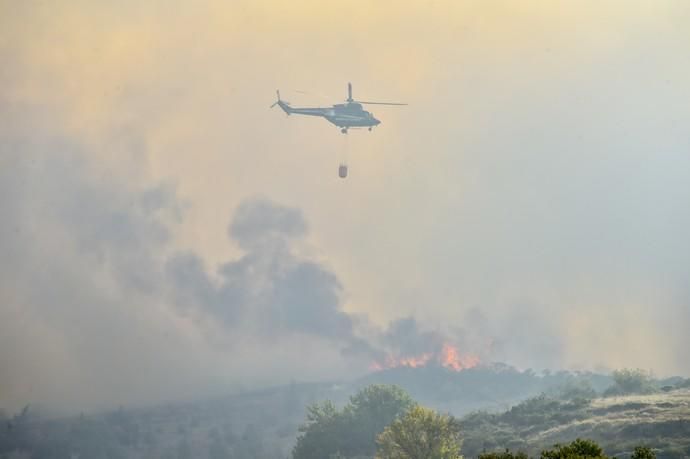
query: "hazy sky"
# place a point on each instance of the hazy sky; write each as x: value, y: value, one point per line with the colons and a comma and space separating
x: 164, y: 234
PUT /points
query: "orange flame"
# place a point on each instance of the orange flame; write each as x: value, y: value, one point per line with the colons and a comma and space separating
x: 449, y: 358
x: 452, y: 359
x: 410, y: 361
x: 414, y: 362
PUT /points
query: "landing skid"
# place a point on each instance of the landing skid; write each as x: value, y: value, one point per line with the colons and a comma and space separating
x: 345, y: 130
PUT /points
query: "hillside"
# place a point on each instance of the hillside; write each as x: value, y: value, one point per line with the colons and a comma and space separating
x: 263, y: 424
x: 661, y: 421
x: 486, y: 387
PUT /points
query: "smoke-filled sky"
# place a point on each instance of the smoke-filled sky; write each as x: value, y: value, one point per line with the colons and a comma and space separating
x: 164, y: 235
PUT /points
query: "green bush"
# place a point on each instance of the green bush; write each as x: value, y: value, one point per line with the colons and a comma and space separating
x: 578, y: 449
x: 507, y: 454
x: 643, y: 452
x: 628, y: 381
x: 352, y: 431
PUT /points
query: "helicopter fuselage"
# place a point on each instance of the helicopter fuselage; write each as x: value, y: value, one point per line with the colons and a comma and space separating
x: 344, y: 116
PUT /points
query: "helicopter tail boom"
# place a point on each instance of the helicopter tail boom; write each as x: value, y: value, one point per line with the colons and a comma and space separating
x: 289, y: 109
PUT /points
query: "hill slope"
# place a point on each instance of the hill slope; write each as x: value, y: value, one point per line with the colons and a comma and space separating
x: 263, y: 424
x: 661, y: 421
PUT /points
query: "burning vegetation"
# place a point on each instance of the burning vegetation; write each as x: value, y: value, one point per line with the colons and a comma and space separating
x: 447, y: 356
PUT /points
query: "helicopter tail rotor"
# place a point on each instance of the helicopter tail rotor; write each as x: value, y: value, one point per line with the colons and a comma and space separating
x: 282, y: 104
x: 277, y: 101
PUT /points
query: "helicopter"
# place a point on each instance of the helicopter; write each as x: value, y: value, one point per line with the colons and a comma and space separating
x: 345, y: 116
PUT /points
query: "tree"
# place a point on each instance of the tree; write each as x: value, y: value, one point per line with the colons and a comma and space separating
x: 371, y: 410
x: 352, y: 431
x: 643, y: 452
x: 420, y: 434
x: 578, y: 449
x: 322, y: 435
x: 628, y: 381
x: 507, y: 454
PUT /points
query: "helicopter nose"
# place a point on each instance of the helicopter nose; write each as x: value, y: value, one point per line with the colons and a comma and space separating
x: 377, y: 121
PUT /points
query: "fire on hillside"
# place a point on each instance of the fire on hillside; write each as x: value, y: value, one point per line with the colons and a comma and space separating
x: 448, y: 357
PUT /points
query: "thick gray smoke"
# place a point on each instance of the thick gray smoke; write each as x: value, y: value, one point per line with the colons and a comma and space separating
x: 98, y: 308
x: 270, y: 290
x: 404, y: 337
x: 79, y: 278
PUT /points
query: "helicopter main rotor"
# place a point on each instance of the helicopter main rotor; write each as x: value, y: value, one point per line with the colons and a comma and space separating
x: 350, y: 100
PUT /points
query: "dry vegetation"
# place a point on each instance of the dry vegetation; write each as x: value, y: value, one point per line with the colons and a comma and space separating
x: 661, y: 421
x: 264, y: 424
